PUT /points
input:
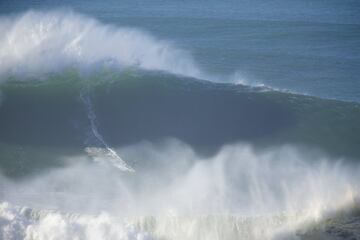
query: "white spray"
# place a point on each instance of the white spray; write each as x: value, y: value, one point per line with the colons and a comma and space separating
x: 176, y: 194
x: 42, y: 42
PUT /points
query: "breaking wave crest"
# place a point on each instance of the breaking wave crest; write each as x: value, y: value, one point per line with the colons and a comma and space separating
x: 36, y: 43
x: 40, y: 42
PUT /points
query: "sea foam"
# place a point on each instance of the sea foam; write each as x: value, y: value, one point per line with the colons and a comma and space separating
x: 239, y: 193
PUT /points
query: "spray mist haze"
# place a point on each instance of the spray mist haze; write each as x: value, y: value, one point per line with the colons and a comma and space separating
x: 176, y: 188
x: 42, y: 42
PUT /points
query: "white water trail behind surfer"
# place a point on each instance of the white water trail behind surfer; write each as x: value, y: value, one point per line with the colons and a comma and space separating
x: 104, y: 154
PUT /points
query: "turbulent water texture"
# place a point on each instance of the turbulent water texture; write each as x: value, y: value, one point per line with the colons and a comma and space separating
x: 39, y: 42
x: 177, y: 194
x: 108, y: 132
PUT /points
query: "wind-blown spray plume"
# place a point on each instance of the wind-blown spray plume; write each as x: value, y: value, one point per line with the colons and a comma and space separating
x: 181, y: 195
x: 41, y: 42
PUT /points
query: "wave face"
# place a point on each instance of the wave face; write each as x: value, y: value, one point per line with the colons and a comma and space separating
x: 118, y: 108
x: 42, y: 42
x: 110, y: 133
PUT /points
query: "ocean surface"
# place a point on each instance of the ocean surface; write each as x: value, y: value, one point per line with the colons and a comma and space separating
x: 179, y: 120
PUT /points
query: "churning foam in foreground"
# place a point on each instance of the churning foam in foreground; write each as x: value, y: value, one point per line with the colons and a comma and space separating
x: 41, y: 42
x: 176, y: 194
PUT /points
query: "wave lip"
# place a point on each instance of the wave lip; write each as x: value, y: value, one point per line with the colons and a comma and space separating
x: 37, y: 42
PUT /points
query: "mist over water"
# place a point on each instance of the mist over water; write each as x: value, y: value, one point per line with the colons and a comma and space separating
x: 260, y: 194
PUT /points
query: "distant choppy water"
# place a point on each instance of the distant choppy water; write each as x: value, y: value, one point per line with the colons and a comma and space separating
x: 179, y: 120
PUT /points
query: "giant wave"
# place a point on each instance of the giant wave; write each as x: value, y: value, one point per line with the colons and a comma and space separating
x: 198, y: 160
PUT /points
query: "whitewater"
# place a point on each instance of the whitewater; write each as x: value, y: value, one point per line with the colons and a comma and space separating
x: 228, y: 196
x: 163, y: 189
x: 41, y: 42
